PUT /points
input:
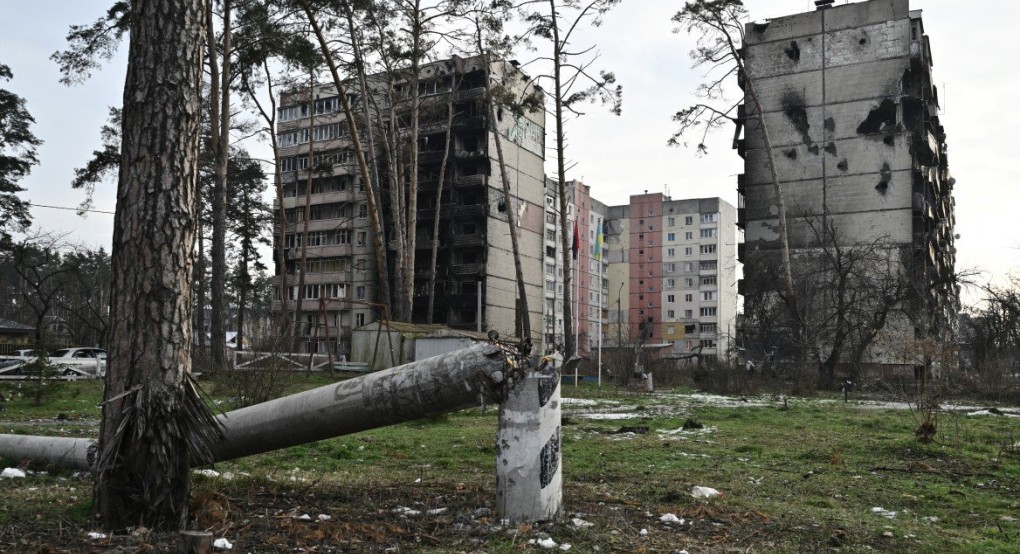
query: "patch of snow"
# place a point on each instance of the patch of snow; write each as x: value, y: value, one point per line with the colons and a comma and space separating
x: 405, y: 511
x: 325, y: 517
x: 95, y: 535
x: 547, y: 543
x: 671, y: 518
x: 602, y: 416
x: 207, y: 472
x: 565, y: 547
x: 222, y: 544
x: 682, y: 431
x: 581, y: 524
x: 586, y: 401
x: 643, y: 532
x: 11, y: 473
x: 305, y: 517
x: 437, y: 511
x: 704, y: 492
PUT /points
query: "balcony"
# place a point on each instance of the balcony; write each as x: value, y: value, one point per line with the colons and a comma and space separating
x: 330, y: 251
x: 430, y: 156
x: 467, y: 269
x: 468, y: 95
x: 462, y: 154
x: 471, y: 181
x: 469, y: 240
x: 473, y: 210
x: 445, y: 212
x: 469, y: 122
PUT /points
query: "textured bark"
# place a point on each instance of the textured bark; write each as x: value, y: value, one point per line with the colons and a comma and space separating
x: 154, y: 425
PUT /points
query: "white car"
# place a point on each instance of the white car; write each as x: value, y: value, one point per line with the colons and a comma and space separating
x: 83, y: 362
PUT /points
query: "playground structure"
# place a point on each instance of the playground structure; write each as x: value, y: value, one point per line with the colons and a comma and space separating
x: 528, y: 466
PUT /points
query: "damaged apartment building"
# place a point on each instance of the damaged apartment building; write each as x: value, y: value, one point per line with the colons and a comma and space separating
x: 329, y: 237
x: 852, y: 113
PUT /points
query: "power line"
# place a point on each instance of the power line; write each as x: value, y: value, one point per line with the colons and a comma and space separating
x: 69, y: 209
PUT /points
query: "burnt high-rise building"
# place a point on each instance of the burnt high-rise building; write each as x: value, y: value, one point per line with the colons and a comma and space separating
x: 852, y: 113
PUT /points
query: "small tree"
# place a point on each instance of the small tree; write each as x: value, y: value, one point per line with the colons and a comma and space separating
x: 572, y: 83
x: 719, y: 26
x: 17, y: 156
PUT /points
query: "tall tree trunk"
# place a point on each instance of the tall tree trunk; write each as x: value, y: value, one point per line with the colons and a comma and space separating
x: 374, y: 210
x: 242, y: 299
x: 285, y: 325
x: 407, y: 294
x: 200, y: 279
x: 219, y: 103
x: 569, y: 344
x: 439, y: 200
x: 155, y: 426
x: 523, y: 314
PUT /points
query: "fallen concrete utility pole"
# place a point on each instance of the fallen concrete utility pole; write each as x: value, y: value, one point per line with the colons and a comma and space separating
x: 529, y: 480
x: 412, y: 391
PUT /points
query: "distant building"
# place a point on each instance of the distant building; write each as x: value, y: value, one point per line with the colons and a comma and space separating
x: 475, y: 278
x: 589, y: 270
x: 14, y: 335
x: 852, y: 113
x: 672, y: 272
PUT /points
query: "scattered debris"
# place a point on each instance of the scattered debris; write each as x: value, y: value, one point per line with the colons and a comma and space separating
x: 581, y: 524
x: 547, y: 543
x: 704, y: 492
x: 12, y: 472
x: 888, y: 514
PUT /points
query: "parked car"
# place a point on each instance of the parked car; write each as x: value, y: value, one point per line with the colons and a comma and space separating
x: 80, y: 361
x: 26, y: 353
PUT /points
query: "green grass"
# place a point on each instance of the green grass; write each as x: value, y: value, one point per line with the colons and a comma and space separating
x: 802, y: 479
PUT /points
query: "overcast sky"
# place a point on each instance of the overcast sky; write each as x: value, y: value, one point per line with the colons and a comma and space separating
x: 616, y: 156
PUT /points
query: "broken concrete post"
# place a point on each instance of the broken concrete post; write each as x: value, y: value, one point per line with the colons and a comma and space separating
x: 54, y: 451
x: 529, y: 480
x: 412, y: 391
